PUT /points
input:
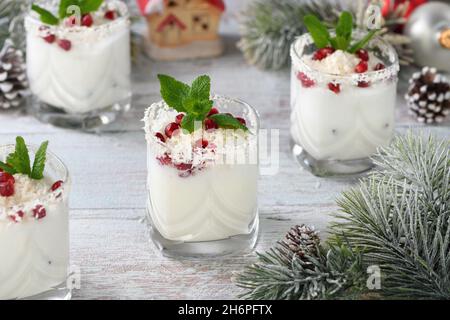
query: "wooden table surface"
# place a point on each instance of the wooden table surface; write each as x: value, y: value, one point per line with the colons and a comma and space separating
x: 109, y: 240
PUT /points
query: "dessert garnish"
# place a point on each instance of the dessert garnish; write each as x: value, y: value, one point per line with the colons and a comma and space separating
x: 342, y: 39
x: 86, y: 7
x: 18, y: 162
x: 195, y: 105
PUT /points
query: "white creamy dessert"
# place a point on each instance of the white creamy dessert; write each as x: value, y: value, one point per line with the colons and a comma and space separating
x: 342, y: 103
x: 80, y: 68
x: 34, y: 238
x: 196, y: 191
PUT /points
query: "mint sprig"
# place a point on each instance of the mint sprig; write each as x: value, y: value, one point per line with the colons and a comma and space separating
x: 86, y: 6
x: 343, y: 38
x: 194, y: 101
x: 19, y: 160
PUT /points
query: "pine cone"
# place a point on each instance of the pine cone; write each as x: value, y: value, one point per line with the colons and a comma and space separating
x: 428, y: 96
x: 302, y: 239
x: 13, y: 80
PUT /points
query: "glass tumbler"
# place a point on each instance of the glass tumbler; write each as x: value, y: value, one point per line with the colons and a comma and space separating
x: 336, y: 132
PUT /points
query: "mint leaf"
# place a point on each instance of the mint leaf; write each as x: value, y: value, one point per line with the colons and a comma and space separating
x: 174, y: 92
x: 39, y: 162
x: 6, y: 168
x: 201, y: 88
x: 344, y: 27
x: 20, y: 159
x: 188, y: 123
x: 46, y: 16
x: 318, y: 31
x: 363, y: 42
x: 88, y: 6
x: 227, y: 122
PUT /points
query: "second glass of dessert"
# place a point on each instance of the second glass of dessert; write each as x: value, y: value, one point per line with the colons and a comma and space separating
x: 78, y: 62
x: 202, y: 171
x: 343, y: 95
x: 34, y: 223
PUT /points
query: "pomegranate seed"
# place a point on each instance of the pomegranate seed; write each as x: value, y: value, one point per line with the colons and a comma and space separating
x: 323, y: 53
x: 160, y: 136
x: 110, y: 15
x: 65, y: 44
x: 241, y: 120
x: 165, y: 160
x: 6, y: 177
x: 39, y: 212
x: 171, y: 129
x: 57, y: 185
x: 87, y: 20
x: 184, y: 166
x: 179, y: 118
x: 363, y: 84
x: 363, y: 54
x: 379, y: 66
x: 201, y: 143
x: 361, y: 67
x: 210, y: 124
x: 49, y: 38
x: 18, y: 216
x: 306, y: 82
x: 6, y: 189
x: 71, y: 21
x: 213, y: 111
x: 336, y: 88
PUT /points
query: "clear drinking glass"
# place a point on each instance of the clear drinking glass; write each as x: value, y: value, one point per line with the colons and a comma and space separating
x: 34, y: 238
x: 336, y: 133
x: 211, y: 210
x: 87, y: 84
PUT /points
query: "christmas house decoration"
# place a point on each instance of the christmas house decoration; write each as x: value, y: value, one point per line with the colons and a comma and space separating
x: 183, y: 29
x: 428, y: 96
x: 13, y: 80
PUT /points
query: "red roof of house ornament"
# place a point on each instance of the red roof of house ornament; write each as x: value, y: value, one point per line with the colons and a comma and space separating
x: 171, y: 19
x: 150, y: 6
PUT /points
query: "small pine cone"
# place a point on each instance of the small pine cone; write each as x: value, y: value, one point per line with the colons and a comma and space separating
x: 428, y: 96
x: 13, y: 80
x: 302, y: 239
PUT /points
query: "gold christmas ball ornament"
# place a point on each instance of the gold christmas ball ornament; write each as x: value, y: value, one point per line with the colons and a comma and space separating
x: 429, y: 31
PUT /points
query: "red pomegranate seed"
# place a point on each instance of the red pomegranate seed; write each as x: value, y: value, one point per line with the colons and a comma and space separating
x: 160, y: 136
x: 71, y: 21
x: 171, y: 129
x: 87, y: 20
x: 306, y: 82
x: 184, y: 166
x: 201, y: 143
x: 241, y: 120
x: 65, y: 44
x: 165, y: 160
x: 7, y: 189
x: 179, y: 118
x: 363, y: 84
x: 6, y: 177
x: 110, y: 15
x: 57, y: 185
x: 213, y: 111
x: 49, y: 38
x: 379, y: 66
x: 18, y: 216
x: 323, y: 53
x: 210, y: 124
x: 361, y: 67
x: 363, y: 54
x: 336, y: 88
x: 39, y: 212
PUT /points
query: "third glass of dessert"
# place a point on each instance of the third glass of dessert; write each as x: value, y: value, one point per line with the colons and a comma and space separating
x: 78, y: 62
x: 34, y: 223
x: 343, y: 95
x: 202, y: 171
